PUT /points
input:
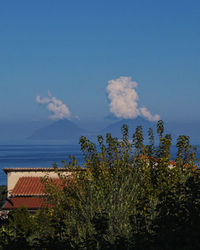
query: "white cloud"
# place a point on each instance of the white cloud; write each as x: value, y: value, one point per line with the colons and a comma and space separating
x: 58, y: 109
x: 124, y: 99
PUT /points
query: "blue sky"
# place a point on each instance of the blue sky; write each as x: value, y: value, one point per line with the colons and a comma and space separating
x: 73, y: 48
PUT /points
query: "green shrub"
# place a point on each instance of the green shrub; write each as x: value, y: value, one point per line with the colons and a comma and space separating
x: 126, y: 196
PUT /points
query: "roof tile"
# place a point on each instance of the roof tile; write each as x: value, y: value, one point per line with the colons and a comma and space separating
x: 29, y: 202
x: 31, y: 186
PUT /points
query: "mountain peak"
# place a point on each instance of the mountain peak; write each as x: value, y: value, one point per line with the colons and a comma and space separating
x: 115, y: 128
x: 58, y: 130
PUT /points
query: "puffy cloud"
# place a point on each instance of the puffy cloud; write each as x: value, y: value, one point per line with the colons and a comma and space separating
x: 58, y: 109
x: 124, y: 99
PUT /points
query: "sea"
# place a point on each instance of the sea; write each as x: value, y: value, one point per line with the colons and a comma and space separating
x: 36, y: 156
x: 43, y: 156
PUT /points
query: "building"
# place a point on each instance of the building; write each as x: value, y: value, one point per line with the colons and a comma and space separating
x: 25, y: 187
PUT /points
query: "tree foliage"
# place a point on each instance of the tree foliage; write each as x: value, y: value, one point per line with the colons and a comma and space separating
x: 126, y: 195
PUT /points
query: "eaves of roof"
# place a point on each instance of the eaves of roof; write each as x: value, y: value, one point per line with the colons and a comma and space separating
x: 31, y: 203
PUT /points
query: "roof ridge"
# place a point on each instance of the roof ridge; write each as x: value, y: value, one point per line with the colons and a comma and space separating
x: 36, y: 177
x: 28, y: 195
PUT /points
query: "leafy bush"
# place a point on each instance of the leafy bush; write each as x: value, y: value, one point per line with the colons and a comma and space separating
x: 126, y: 196
x: 3, y: 194
x: 129, y: 194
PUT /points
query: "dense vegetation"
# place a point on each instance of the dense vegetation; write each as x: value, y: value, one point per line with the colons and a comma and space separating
x: 3, y: 194
x: 127, y: 197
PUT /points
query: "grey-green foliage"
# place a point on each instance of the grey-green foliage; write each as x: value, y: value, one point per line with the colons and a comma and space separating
x: 3, y: 194
x: 125, y: 182
x: 127, y: 195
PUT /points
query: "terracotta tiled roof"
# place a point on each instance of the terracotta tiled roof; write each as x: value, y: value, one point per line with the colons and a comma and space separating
x: 27, y: 186
x: 29, y: 202
x: 30, y: 192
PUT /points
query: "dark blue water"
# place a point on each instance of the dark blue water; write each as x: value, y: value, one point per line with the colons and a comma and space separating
x: 35, y: 156
x: 41, y: 156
